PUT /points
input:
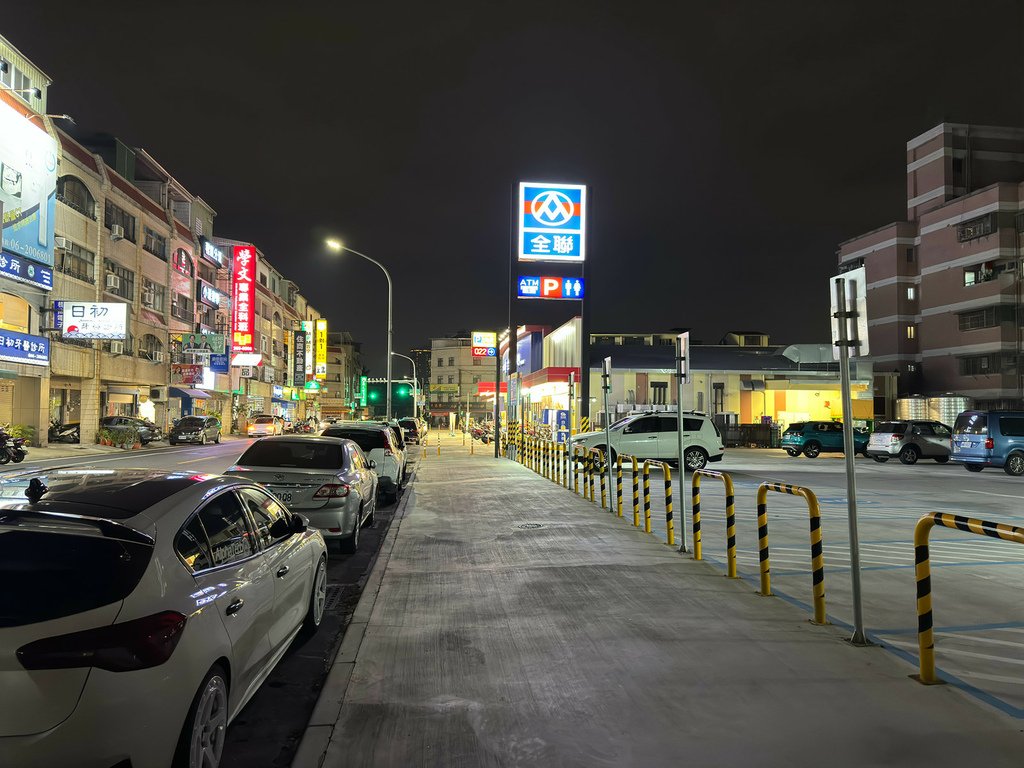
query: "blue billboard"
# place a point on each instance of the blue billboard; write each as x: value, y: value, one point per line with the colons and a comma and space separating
x: 24, y: 348
x: 552, y: 221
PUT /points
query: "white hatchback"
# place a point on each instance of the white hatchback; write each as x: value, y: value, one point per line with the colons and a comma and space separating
x: 141, y: 610
x: 378, y: 443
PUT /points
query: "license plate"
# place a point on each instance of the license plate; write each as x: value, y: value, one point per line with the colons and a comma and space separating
x: 284, y: 496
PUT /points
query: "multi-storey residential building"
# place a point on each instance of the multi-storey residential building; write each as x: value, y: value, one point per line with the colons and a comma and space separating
x: 944, y: 287
x: 344, y: 366
x: 454, y: 378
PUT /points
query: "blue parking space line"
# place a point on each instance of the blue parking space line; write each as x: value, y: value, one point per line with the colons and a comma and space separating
x: 846, y: 568
x: 874, y: 637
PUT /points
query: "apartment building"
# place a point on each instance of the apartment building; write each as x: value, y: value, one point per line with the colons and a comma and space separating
x: 944, y: 286
x: 454, y: 378
x: 344, y: 367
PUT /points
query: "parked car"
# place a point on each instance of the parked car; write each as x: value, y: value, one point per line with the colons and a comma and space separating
x: 397, y: 430
x: 412, y: 429
x: 141, y: 610
x: 910, y: 441
x: 990, y: 439
x: 147, y: 430
x: 812, y: 438
x: 195, y: 429
x: 265, y: 425
x: 655, y: 436
x: 378, y: 443
x: 327, y: 479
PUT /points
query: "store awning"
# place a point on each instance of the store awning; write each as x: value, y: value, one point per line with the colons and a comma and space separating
x: 8, y: 375
x: 197, y: 394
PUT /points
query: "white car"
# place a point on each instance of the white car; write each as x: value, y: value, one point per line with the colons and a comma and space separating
x: 654, y: 435
x: 378, y: 443
x: 141, y: 610
x: 265, y: 425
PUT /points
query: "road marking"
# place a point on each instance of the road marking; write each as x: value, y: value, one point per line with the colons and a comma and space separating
x: 993, y: 678
x: 943, y: 650
x: 974, y: 639
x: 989, y: 493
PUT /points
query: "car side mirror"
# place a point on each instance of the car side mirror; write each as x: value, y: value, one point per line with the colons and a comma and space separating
x: 371, y: 464
x: 299, y: 524
x: 281, y: 528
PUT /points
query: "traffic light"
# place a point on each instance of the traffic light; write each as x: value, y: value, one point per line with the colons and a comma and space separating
x: 403, y: 391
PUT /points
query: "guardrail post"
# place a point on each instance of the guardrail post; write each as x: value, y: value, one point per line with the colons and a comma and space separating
x: 764, y: 563
x: 647, y: 496
x: 636, y: 492
x: 922, y: 573
x: 576, y: 471
x: 670, y: 525
x: 618, y: 485
x: 439, y: 443
x: 604, y: 483
x: 698, y: 547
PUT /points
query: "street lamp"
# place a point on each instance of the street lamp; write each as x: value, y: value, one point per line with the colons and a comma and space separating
x: 338, y: 247
x: 415, y: 385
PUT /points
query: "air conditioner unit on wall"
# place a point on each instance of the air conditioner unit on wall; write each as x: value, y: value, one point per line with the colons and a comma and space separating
x: 117, y: 347
x: 61, y: 242
x: 116, y: 232
x: 113, y: 282
x: 158, y: 357
x: 148, y: 299
x: 158, y: 394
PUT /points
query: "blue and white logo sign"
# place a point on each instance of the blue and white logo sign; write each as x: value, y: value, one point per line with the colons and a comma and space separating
x: 550, y: 288
x: 552, y: 221
x: 23, y: 348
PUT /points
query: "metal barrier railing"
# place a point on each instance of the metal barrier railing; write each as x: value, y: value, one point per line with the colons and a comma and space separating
x: 730, y: 518
x: 922, y: 572
x: 670, y: 526
x: 817, y: 556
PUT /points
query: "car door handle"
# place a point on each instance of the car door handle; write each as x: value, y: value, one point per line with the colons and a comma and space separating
x: 652, y: 437
x: 235, y: 607
x: 282, y: 571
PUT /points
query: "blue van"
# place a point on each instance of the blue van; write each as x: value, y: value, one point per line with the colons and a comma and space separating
x: 989, y: 439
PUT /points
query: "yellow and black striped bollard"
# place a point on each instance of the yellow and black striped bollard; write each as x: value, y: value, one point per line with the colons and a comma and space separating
x: 698, y: 545
x: 604, y: 486
x: 763, y: 560
x: 647, y: 496
x: 636, y: 492
x: 817, y: 553
x: 618, y: 485
x: 670, y: 525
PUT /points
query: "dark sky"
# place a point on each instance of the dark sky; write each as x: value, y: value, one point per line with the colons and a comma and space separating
x: 730, y: 146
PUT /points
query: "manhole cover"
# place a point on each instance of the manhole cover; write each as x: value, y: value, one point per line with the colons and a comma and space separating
x: 529, y: 526
x: 333, y: 598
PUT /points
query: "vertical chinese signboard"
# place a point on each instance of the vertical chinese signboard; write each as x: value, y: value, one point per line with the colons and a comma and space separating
x: 243, y: 304
x: 299, y: 362
x: 321, y: 349
x: 364, y: 389
x: 307, y: 329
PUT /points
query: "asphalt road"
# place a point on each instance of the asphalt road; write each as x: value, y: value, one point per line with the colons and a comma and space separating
x: 976, y: 581
x: 267, y: 732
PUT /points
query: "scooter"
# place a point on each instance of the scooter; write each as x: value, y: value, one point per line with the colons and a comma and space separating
x: 11, y: 448
x: 62, y: 433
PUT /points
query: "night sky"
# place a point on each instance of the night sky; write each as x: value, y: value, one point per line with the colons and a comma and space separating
x: 730, y: 146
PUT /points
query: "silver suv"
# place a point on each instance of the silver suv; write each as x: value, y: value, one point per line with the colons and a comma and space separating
x: 910, y: 441
x: 653, y: 435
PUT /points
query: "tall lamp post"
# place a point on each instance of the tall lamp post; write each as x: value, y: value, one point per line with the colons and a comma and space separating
x: 415, y: 385
x: 338, y: 247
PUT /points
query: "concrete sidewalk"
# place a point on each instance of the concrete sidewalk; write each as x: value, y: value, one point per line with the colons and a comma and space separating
x: 509, y: 622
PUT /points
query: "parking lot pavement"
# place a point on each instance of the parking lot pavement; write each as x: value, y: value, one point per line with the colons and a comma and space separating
x: 516, y: 624
x: 976, y: 580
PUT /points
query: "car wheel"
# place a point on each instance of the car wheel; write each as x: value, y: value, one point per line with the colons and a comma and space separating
x: 317, y: 597
x: 941, y: 459
x: 812, y: 449
x: 216, y: 439
x: 172, y: 442
x: 694, y: 459
x: 792, y: 451
x: 1014, y: 464
x: 609, y: 455
x: 973, y: 467
x: 202, y: 739
x: 350, y: 544
x: 202, y: 439
x: 909, y: 455
x: 880, y: 459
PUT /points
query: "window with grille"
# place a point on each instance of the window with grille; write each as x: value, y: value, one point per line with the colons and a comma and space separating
x: 975, y: 228
x: 980, y: 318
x: 78, y: 262
x: 155, y: 243
x: 124, y: 286
x: 154, y: 295
x: 181, y: 307
x: 75, y: 195
x: 149, y: 347
x: 113, y: 215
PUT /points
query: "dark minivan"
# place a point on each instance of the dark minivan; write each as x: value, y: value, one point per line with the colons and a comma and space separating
x: 990, y: 439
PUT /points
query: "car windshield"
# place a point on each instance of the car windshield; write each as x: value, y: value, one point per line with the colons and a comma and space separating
x: 969, y: 423
x: 190, y: 422
x: 367, y: 439
x: 891, y: 427
x: 264, y: 420
x: 49, y: 574
x: 618, y: 425
x: 304, y: 454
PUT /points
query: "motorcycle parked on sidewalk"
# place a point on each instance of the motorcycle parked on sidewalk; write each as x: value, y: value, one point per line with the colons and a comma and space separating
x: 63, y: 433
x: 11, y: 448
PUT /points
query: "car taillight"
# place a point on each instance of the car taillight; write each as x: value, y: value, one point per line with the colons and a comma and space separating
x: 989, y: 443
x: 388, y: 452
x: 331, y: 491
x: 894, y: 438
x: 131, y: 645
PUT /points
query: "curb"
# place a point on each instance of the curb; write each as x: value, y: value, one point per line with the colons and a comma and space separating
x: 316, y: 738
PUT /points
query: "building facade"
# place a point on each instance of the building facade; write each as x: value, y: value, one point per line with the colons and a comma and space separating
x: 944, y: 286
x: 455, y: 376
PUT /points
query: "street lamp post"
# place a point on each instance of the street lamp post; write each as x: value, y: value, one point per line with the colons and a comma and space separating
x: 415, y: 385
x: 338, y: 247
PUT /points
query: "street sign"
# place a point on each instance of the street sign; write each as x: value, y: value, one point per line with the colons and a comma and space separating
x: 856, y: 302
x: 552, y: 221
x: 485, y: 351
x: 363, y: 386
x: 551, y: 288
x: 485, y: 339
x: 683, y: 357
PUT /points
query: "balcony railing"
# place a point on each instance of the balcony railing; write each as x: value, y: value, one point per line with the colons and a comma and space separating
x: 75, y: 206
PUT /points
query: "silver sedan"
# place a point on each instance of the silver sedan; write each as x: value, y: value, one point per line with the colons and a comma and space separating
x: 328, y: 479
